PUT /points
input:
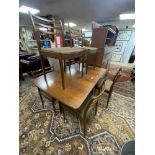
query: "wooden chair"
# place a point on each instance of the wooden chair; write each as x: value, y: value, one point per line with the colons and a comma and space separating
x: 85, y: 110
x: 74, y: 34
x: 38, y: 73
x: 109, y: 84
x: 52, y: 27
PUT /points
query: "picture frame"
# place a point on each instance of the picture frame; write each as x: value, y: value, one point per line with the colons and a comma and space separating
x: 124, y: 35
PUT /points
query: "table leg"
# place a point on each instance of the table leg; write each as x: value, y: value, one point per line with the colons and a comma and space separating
x: 41, y: 97
x: 79, y: 64
x: 62, y: 73
x: 53, y: 104
x: 69, y: 65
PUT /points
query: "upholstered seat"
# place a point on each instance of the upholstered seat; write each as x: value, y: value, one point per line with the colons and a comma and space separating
x: 108, y: 84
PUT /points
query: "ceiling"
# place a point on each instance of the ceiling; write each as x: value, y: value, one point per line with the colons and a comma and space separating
x: 82, y: 12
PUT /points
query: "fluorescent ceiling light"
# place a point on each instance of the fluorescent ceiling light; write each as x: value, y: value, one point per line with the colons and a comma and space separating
x: 70, y: 24
x: 25, y: 9
x: 42, y: 29
x: 127, y: 16
x: 84, y: 29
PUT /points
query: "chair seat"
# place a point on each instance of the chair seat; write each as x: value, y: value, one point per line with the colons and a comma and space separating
x: 108, y: 84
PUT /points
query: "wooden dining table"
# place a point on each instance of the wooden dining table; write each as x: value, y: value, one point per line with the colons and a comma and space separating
x: 64, y: 53
x: 77, y: 88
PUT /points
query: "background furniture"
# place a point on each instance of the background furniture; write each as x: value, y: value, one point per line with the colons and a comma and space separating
x: 30, y: 62
x: 76, y: 40
x: 76, y: 37
x: 39, y: 72
x: 104, y: 38
x: 98, y: 41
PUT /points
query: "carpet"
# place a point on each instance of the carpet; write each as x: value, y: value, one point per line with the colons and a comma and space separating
x: 125, y: 73
x: 43, y: 133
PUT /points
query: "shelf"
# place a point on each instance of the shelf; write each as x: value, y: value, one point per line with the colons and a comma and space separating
x: 36, y: 40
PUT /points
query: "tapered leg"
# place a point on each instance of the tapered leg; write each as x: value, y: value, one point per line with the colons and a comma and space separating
x: 84, y: 126
x: 63, y: 112
x: 64, y: 65
x: 108, y: 99
x: 96, y: 108
x: 69, y: 65
x: 86, y: 65
x: 79, y: 65
x: 60, y: 107
x: 43, y: 66
x: 62, y: 73
x: 82, y: 65
x: 53, y: 104
x: 41, y: 97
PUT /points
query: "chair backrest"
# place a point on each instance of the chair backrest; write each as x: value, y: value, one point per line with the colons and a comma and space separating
x: 118, y: 74
x: 93, y: 100
x: 75, y: 34
x: 49, y: 26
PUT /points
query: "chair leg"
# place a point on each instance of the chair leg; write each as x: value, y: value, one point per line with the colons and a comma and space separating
x: 83, y: 124
x: 96, y: 107
x: 79, y: 65
x: 41, y: 97
x: 69, y: 65
x: 108, y: 99
x: 64, y: 65
x: 84, y: 127
x: 82, y: 65
x: 62, y: 73
x: 62, y: 111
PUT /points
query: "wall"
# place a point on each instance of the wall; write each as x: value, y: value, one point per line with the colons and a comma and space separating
x: 129, y: 45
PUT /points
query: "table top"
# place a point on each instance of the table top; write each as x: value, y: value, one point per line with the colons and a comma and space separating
x: 77, y: 87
